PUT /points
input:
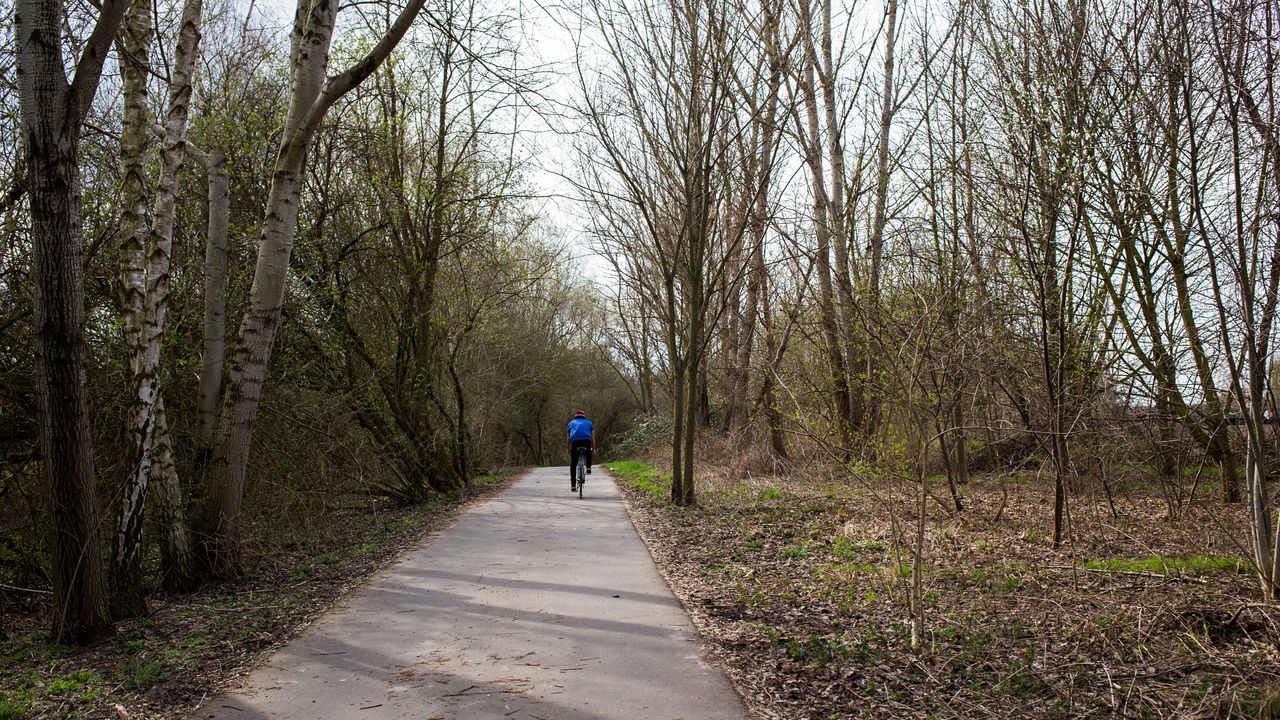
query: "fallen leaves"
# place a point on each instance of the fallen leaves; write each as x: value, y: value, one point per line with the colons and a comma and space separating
x: 800, y: 592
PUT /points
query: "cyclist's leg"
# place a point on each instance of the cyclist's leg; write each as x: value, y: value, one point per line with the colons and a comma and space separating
x: 574, y: 448
x: 589, y: 454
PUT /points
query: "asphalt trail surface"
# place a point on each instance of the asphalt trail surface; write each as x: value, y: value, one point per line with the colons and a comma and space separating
x: 535, y: 604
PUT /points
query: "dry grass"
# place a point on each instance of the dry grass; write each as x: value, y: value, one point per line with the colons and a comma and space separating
x: 799, y: 583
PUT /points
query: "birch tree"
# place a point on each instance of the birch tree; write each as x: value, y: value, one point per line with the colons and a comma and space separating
x: 146, y: 288
x: 311, y: 96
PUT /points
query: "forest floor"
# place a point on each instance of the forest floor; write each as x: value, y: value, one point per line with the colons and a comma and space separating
x: 194, y: 645
x: 800, y: 588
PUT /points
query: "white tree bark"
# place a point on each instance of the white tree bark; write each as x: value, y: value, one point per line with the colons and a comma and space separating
x: 136, y: 37
x: 310, y: 98
x: 148, y: 334
x: 215, y: 304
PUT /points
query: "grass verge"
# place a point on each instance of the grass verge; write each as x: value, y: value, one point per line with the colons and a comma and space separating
x: 642, y: 477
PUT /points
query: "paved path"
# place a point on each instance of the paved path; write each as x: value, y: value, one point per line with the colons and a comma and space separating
x: 533, y: 605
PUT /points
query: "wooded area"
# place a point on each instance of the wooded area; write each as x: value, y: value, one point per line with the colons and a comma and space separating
x: 931, y: 241
x: 911, y: 244
x: 351, y: 206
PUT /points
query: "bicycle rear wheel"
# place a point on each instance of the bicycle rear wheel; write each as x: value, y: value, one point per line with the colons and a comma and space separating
x: 582, y: 476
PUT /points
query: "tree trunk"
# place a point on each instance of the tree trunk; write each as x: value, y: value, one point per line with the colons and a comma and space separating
x: 822, y: 261
x: 838, y: 224
x: 313, y: 31
x: 880, y: 219
x: 52, y: 110
x: 311, y: 97
x: 127, y: 596
x: 215, y: 306
x: 177, y: 557
x: 677, y: 435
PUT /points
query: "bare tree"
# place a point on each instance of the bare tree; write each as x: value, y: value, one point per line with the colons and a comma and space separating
x: 1242, y: 238
x: 663, y: 200
x: 53, y: 108
x: 310, y: 99
x: 147, y: 298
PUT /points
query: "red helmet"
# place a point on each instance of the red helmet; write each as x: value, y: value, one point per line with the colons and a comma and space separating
x: 579, y: 413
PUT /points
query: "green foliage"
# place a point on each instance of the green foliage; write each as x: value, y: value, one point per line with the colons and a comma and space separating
x: 15, y: 702
x: 78, y: 684
x: 754, y: 544
x: 362, y: 549
x: 1021, y: 682
x: 843, y: 547
x: 142, y: 673
x: 770, y: 494
x: 795, y: 552
x: 817, y: 650
x: 1164, y: 564
x: 642, y: 476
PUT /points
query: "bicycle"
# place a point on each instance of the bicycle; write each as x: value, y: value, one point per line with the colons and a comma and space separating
x: 579, y: 470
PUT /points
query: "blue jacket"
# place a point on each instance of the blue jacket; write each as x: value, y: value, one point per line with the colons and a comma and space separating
x: 580, y: 429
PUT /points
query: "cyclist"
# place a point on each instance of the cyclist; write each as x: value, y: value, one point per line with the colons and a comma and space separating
x: 581, y: 435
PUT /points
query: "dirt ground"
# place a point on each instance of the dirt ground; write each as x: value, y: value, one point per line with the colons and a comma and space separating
x: 800, y: 586
x: 192, y: 646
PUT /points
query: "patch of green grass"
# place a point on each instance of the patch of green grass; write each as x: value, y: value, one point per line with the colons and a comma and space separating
x: 1022, y: 683
x: 642, y: 476
x: 628, y: 467
x: 195, y: 640
x: 754, y: 544
x: 362, y: 549
x: 843, y: 547
x: 14, y: 705
x: 141, y: 673
x: 818, y: 650
x: 770, y: 494
x: 77, y: 684
x: 795, y: 552
x: 398, y: 526
x: 1164, y: 564
x: 854, y: 568
x: 61, y: 650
